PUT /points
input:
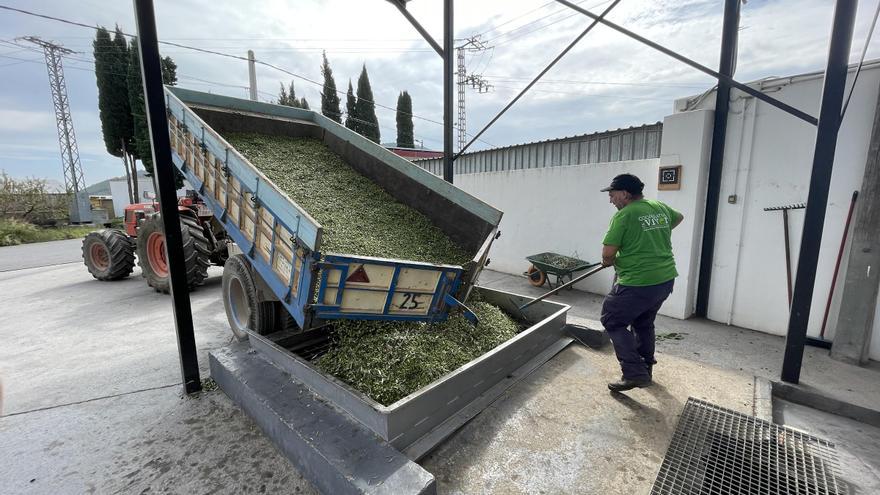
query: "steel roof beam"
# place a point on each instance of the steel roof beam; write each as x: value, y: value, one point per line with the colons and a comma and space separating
x: 702, y: 68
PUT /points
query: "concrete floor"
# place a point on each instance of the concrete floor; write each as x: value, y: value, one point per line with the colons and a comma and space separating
x: 857, y: 444
x: 716, y: 344
x: 93, y: 402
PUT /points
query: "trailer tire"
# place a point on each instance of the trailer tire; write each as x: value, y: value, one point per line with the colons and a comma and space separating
x: 244, y: 310
x: 152, y: 256
x: 108, y: 254
x: 286, y: 322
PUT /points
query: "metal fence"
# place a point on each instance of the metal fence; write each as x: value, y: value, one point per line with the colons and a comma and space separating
x: 634, y: 143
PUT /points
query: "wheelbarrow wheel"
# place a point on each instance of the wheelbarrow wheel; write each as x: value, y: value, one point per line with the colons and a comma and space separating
x: 536, y: 277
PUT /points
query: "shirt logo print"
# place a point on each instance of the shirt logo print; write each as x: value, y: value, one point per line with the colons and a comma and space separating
x: 654, y: 221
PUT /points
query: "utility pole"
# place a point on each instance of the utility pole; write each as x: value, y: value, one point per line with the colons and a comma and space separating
x: 252, y: 75
x: 472, y: 44
x: 74, y: 183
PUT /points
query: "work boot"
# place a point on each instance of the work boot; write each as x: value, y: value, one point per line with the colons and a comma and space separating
x: 650, y: 367
x: 625, y: 384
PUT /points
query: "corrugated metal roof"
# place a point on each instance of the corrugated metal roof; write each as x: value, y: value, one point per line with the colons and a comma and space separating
x: 631, y: 143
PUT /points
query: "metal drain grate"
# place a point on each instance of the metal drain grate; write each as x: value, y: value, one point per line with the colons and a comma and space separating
x: 717, y: 451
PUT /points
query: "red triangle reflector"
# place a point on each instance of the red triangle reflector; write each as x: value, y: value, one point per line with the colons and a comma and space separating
x: 359, y: 275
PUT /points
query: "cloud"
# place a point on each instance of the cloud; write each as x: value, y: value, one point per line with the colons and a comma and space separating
x: 25, y: 120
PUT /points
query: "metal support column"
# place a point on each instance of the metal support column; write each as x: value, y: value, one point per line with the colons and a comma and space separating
x: 716, y: 160
x: 154, y: 100
x: 820, y: 180
x: 448, y: 87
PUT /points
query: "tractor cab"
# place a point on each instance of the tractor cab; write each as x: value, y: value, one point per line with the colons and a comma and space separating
x: 135, y: 214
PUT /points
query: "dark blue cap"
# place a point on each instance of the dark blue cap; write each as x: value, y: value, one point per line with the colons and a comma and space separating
x: 625, y: 182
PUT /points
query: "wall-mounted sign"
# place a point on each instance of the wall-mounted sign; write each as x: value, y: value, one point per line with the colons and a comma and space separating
x: 669, y: 179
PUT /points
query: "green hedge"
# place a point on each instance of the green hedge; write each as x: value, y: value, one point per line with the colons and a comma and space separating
x: 14, y: 232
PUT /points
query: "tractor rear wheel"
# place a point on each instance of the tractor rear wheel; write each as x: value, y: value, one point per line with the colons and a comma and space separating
x: 244, y: 309
x: 152, y: 256
x: 108, y: 254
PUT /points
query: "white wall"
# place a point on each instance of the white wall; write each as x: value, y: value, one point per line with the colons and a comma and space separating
x: 687, y: 141
x: 767, y: 162
x: 557, y: 209
x: 874, y: 351
x: 561, y: 209
x: 119, y: 191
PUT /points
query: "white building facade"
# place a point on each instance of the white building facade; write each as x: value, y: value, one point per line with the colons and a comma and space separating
x: 767, y: 162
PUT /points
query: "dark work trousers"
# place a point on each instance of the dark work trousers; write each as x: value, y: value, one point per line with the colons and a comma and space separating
x: 630, y: 306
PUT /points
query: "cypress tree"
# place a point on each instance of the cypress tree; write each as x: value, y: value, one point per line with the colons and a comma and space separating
x: 288, y: 98
x: 282, y: 96
x: 108, y: 91
x: 124, y: 120
x: 111, y: 61
x: 169, y: 71
x: 291, y: 96
x: 366, y: 108
x: 351, y: 117
x: 329, y: 98
x: 142, y: 148
x: 404, y: 121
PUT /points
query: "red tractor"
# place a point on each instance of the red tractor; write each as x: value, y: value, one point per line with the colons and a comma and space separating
x: 109, y: 253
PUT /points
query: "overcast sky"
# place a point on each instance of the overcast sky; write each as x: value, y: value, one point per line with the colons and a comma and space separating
x: 608, y: 81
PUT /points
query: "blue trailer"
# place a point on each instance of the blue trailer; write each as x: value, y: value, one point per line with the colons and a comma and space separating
x: 280, y: 243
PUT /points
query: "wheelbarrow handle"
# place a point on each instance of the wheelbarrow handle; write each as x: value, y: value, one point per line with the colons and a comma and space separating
x: 563, y: 286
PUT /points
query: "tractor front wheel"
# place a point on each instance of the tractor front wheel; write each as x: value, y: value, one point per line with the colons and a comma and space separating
x: 108, y: 254
x: 153, y: 259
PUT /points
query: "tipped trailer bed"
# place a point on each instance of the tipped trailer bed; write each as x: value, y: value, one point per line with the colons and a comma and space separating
x: 339, y: 438
x: 282, y: 241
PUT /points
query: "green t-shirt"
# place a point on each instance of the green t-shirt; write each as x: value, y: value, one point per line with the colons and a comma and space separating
x: 642, y: 231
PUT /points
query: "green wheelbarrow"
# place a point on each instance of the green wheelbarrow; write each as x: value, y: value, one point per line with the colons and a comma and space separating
x: 546, y: 264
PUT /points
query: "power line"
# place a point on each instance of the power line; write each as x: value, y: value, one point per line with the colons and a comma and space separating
x: 615, y: 83
x: 221, y: 54
x: 269, y: 39
x: 554, y: 13
x: 208, y: 82
x: 591, y: 95
x: 551, y: 2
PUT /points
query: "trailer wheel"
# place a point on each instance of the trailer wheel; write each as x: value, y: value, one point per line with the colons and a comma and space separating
x: 536, y: 277
x: 286, y: 322
x: 244, y: 310
x: 108, y: 254
x: 152, y: 256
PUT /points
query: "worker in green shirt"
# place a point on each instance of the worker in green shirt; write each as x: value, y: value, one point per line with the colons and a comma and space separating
x: 638, y: 244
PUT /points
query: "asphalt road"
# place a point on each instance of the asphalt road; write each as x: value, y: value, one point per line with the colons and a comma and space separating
x: 88, y: 338
x: 92, y: 398
x: 40, y: 254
